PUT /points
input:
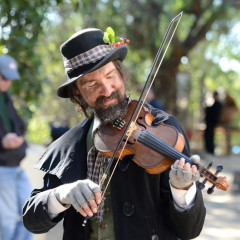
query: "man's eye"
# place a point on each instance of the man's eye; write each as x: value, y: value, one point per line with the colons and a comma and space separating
x: 92, y: 85
x: 110, y: 76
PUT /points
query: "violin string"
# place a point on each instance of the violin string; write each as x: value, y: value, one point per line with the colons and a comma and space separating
x: 157, y: 144
x: 164, y: 148
x: 176, y: 154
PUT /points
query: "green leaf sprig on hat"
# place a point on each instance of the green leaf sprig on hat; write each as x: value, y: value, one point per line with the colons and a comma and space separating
x: 114, y: 41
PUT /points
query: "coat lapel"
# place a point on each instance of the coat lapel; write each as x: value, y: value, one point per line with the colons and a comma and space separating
x: 66, y: 157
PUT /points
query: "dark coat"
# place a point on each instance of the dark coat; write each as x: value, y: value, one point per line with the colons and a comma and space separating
x: 142, y: 203
x: 12, y: 157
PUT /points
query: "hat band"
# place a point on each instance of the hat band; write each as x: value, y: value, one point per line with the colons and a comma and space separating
x: 90, y: 56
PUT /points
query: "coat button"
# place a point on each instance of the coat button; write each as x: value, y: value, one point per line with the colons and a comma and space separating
x: 155, y: 237
x: 128, y: 209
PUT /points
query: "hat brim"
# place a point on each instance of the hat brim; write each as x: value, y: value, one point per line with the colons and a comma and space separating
x: 10, y: 75
x: 117, y: 53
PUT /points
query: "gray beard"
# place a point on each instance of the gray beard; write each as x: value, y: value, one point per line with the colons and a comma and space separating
x: 113, y: 112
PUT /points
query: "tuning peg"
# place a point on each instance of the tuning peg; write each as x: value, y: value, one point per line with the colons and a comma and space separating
x: 210, y: 164
x: 201, y: 185
x: 219, y: 169
x: 211, y: 189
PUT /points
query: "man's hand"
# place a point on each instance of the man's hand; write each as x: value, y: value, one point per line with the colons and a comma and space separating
x: 183, y: 175
x: 11, y: 141
x: 84, y: 195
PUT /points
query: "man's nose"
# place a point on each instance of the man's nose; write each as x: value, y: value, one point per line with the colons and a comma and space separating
x: 106, y: 89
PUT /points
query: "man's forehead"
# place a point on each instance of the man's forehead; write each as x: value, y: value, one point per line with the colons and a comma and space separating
x: 101, y: 71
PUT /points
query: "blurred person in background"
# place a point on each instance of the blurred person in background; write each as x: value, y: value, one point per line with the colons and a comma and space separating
x: 212, y: 116
x: 57, y: 130
x: 152, y: 100
x: 14, y: 184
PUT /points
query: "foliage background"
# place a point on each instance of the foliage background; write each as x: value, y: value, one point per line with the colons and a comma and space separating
x: 203, y: 56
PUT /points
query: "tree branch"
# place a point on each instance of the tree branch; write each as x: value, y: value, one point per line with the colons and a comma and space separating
x: 197, y: 33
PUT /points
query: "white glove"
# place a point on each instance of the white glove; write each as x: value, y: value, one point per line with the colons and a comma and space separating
x: 183, y: 175
x: 77, y: 193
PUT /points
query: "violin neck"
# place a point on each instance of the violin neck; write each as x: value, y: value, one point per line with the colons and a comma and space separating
x: 151, y: 141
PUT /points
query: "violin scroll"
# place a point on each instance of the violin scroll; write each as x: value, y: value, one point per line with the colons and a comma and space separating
x: 218, y: 182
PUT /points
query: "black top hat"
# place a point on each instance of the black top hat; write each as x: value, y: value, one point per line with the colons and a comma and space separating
x: 85, y: 52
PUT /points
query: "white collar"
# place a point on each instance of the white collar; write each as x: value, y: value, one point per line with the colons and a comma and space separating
x: 96, y: 123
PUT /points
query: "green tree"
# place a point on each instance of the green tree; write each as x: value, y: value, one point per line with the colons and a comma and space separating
x: 21, y: 26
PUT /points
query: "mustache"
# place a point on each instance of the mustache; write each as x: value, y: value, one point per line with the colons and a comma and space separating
x: 102, y: 99
x: 113, y: 111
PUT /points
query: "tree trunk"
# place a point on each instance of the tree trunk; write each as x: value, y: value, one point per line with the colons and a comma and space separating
x: 166, y: 84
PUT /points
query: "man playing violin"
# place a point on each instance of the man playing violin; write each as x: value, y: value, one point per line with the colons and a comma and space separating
x: 136, y: 204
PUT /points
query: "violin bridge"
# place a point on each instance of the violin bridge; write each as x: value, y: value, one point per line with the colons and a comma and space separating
x: 131, y: 129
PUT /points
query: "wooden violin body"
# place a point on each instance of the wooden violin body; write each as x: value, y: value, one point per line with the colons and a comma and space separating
x: 154, y: 148
x: 154, y: 163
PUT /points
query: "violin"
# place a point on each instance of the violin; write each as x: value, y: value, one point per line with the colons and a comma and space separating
x: 154, y: 148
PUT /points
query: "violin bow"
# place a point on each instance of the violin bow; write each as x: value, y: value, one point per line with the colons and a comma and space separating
x: 150, y: 79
